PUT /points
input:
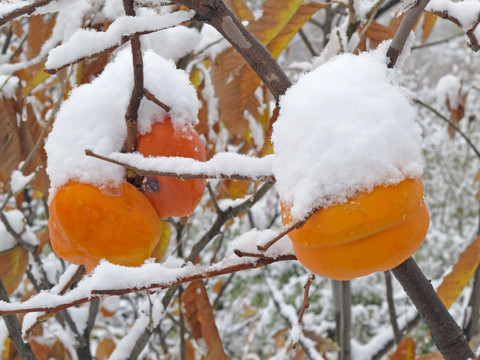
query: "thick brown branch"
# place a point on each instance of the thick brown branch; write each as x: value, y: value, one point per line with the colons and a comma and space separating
x: 217, y: 14
x: 406, y: 26
x: 446, y: 333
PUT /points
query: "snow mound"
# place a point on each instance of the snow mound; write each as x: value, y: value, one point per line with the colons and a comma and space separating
x: 343, y: 129
x: 93, y: 117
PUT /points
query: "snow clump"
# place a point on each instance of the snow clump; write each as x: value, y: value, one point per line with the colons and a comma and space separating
x: 343, y: 129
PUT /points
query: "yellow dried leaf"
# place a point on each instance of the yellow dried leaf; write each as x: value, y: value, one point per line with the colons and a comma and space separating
x: 237, y: 82
x: 454, y: 282
x: 478, y: 176
x: 429, y: 21
x: 165, y: 234
x: 241, y: 9
x: 405, y: 350
x: 38, y: 77
x: 436, y: 355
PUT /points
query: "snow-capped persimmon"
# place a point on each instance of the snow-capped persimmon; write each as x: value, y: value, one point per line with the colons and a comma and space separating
x: 87, y: 224
x: 374, y: 232
x: 170, y: 196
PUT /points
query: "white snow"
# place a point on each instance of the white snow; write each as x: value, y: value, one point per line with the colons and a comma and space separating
x: 448, y: 88
x: 248, y: 242
x: 226, y: 163
x: 173, y: 43
x: 8, y: 85
x: 343, y: 129
x: 86, y: 42
x: 93, y: 118
x: 18, y: 181
x: 18, y: 223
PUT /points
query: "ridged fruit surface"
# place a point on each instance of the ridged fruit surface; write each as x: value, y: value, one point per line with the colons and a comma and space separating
x: 87, y: 224
x: 373, y: 232
x: 170, y: 196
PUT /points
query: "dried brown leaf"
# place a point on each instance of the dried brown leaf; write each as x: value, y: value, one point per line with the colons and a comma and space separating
x: 405, y: 350
x: 201, y: 321
x: 454, y: 282
x: 13, y: 264
x: 105, y: 348
x: 235, y: 81
x: 40, y: 29
x: 241, y: 9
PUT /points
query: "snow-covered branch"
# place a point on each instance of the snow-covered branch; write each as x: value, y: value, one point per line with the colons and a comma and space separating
x: 110, y: 279
x: 227, y: 165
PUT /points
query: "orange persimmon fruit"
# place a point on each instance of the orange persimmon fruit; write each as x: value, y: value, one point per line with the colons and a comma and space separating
x: 168, y: 195
x: 374, y: 232
x: 87, y: 224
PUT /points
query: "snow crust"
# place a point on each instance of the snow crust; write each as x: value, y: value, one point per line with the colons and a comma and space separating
x: 343, y: 129
x: 226, y: 163
x: 18, y: 223
x: 448, y: 88
x: 93, y: 118
x: 86, y: 42
x: 18, y: 181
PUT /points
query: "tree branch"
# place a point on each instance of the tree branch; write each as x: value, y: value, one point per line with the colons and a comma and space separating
x: 217, y: 14
x: 131, y: 115
x: 15, y: 331
x: 406, y: 26
x: 447, y: 335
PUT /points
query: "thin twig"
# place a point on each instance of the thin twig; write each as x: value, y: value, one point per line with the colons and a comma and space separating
x: 15, y: 330
x: 284, y: 230
x: 306, y: 301
x: 449, y: 122
x: 391, y: 307
x: 153, y: 99
x: 25, y: 10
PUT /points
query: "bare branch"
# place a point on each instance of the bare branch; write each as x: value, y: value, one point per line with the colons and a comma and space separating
x: 453, y: 125
x: 306, y: 302
x: 217, y: 14
x: 153, y: 99
x: 406, y: 26
x: 391, y: 307
x: 15, y: 330
x: 448, y: 336
x: 474, y: 43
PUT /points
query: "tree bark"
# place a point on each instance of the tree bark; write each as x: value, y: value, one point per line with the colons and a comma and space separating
x: 447, y: 335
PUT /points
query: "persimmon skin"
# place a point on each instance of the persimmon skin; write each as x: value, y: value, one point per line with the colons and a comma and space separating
x: 87, y: 224
x: 374, y: 232
x: 173, y: 197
